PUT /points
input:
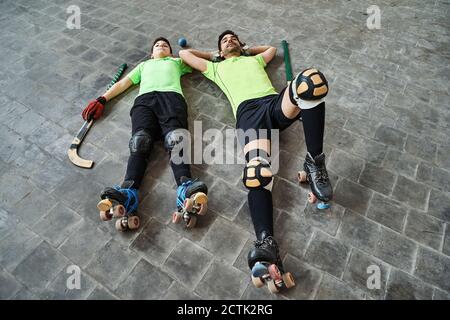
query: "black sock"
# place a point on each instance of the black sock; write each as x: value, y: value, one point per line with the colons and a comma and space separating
x: 261, y: 211
x: 180, y: 170
x: 137, y: 164
x: 313, y: 126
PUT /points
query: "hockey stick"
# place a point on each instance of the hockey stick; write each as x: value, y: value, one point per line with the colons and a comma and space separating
x: 287, y: 61
x: 73, y: 149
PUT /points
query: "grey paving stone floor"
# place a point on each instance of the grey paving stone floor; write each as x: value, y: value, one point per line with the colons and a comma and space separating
x: 386, y: 141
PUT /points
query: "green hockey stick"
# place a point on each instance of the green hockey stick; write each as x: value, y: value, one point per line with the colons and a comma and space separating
x: 73, y: 149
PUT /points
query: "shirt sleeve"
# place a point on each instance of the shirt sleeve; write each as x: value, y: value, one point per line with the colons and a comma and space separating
x: 135, y: 74
x: 184, y: 68
x: 209, y: 72
x: 260, y: 60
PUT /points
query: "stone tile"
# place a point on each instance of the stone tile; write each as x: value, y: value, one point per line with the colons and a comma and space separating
x: 422, y: 148
x: 352, y: 196
x: 40, y: 267
x: 440, y: 179
x: 388, y: 212
x: 332, y: 288
x: 188, y: 263
x: 100, y: 293
x: 57, y: 225
x: 132, y: 287
x: 307, y: 279
x: 223, y: 282
x: 439, y: 205
x: 225, y: 240
x: 390, y: 136
x: 424, y: 229
x: 357, y: 273
x: 177, y: 291
x: 8, y: 223
x: 244, y: 219
x: 9, y: 197
x: 228, y: 206
x: 9, y: 286
x: 155, y: 242
x: 433, y: 268
x: 36, y: 201
x: 84, y: 243
x: 59, y: 290
x: 325, y: 220
x: 16, y: 246
x: 440, y: 295
x: 111, y: 264
x: 289, y: 197
x: 410, y: 192
x: 327, y: 254
x: 370, y: 150
x: 160, y: 203
x: 446, y: 249
x: 293, y: 235
x: 396, y: 249
x: 401, y: 162
x: 402, y: 286
x: 362, y: 126
x: 345, y: 165
x: 241, y: 261
x: 442, y: 156
x: 359, y: 231
x: 377, y: 179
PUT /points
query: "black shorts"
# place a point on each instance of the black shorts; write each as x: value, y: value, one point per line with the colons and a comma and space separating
x: 159, y: 113
x: 263, y: 113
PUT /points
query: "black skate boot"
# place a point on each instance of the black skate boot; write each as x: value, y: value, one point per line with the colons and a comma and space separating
x: 120, y: 202
x: 192, y: 199
x: 265, y: 264
x: 316, y: 174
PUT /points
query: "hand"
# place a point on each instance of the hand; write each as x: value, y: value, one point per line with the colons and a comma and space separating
x: 94, y: 109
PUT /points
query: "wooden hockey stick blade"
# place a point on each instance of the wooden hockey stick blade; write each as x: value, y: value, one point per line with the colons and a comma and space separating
x: 73, y: 150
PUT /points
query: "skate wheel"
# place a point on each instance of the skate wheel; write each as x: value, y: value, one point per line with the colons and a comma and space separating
x: 203, y: 209
x: 105, y: 216
x: 177, y: 216
x: 302, y: 177
x: 104, y: 205
x: 119, y: 225
x: 133, y: 222
x: 188, y: 204
x: 119, y: 211
x: 200, y: 198
x: 311, y: 198
x: 272, y: 287
x: 323, y: 205
x: 288, y: 280
x: 274, y: 272
x: 257, y: 282
x: 192, y: 221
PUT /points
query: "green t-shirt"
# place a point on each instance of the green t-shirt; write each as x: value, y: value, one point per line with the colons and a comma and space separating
x: 240, y: 78
x: 162, y: 74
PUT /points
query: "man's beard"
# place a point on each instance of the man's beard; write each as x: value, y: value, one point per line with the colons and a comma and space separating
x: 234, y: 49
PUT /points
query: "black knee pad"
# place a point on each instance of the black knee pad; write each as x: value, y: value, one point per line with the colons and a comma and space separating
x: 258, y: 174
x: 141, y: 143
x: 309, y: 85
x: 174, y: 138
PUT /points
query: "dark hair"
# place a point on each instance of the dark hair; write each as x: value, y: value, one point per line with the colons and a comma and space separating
x: 163, y: 39
x: 223, y: 34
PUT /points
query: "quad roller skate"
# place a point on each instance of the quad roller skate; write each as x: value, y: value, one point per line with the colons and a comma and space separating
x: 192, y: 200
x: 121, y: 203
x: 316, y: 174
x: 266, y: 266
